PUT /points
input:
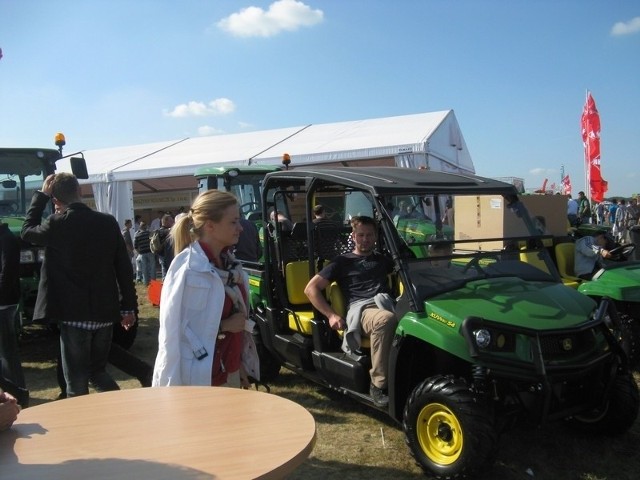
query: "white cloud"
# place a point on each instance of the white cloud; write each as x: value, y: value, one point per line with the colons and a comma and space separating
x: 283, y: 15
x: 540, y: 171
x: 626, y: 28
x: 206, y: 130
x: 219, y: 106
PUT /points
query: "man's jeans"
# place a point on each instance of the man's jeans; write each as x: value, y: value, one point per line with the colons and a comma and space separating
x: 10, y: 366
x: 84, y: 357
x: 148, y: 263
x: 163, y: 265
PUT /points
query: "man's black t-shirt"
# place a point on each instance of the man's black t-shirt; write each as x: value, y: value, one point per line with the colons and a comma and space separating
x: 359, y: 276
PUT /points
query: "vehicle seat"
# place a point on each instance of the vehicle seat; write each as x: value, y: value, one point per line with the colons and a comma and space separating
x: 294, y: 243
x: 565, y: 257
x: 296, y: 279
x: 532, y: 259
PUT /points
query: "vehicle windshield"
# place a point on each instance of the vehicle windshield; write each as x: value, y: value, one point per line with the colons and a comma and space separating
x: 442, y: 241
x: 448, y: 241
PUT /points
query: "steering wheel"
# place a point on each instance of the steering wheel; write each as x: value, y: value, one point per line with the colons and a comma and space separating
x: 622, y: 252
x: 249, y: 206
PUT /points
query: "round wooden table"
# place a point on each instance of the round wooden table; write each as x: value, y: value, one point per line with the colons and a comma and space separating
x: 176, y: 433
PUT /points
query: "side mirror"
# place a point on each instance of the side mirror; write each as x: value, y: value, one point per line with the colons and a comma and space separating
x: 79, y: 167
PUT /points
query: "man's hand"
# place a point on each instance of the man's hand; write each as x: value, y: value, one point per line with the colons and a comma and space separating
x: 336, y: 322
x: 234, y: 323
x: 128, y: 321
x: 605, y: 253
x: 46, y: 186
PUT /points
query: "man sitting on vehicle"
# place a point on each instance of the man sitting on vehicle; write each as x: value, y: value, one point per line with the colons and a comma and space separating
x: 590, y: 250
x: 362, y: 278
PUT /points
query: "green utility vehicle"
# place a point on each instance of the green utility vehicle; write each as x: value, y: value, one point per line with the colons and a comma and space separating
x: 22, y: 171
x: 485, y: 336
x: 618, y: 280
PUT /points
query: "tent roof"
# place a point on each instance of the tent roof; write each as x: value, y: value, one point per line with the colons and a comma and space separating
x: 378, y: 137
x: 158, y: 165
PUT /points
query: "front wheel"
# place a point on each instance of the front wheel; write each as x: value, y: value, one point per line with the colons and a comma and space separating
x: 448, y: 429
x: 617, y: 414
x: 627, y: 332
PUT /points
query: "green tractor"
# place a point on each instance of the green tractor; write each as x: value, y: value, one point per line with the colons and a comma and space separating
x: 22, y: 171
x: 485, y: 336
x: 618, y: 280
x: 245, y: 182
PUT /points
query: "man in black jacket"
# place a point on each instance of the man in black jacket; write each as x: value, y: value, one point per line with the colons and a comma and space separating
x: 86, y: 282
x: 11, y: 375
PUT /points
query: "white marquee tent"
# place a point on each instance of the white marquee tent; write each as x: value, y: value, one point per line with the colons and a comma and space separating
x: 432, y: 140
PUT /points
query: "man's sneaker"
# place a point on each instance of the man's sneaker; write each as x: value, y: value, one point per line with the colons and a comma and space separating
x: 380, y: 399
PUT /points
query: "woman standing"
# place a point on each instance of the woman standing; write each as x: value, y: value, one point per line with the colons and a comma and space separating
x: 203, y: 304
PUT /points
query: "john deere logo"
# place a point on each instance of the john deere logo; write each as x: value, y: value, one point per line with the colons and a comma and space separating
x: 567, y: 344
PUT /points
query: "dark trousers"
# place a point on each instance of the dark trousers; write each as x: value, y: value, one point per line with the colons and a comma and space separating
x: 10, y: 366
x: 84, y: 355
x: 120, y: 358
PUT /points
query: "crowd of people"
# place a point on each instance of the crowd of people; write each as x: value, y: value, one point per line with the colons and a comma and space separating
x: 87, y: 291
x: 619, y: 214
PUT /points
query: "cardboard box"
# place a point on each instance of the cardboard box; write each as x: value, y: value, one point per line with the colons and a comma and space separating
x: 484, y: 216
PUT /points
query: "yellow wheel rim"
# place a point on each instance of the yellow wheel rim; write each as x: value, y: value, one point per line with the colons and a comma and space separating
x: 439, y: 434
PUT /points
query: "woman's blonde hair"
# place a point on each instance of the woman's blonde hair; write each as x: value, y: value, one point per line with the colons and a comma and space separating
x: 209, y: 205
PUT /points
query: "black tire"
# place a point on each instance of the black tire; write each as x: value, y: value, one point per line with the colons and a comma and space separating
x: 627, y: 332
x: 618, y: 414
x: 449, y: 430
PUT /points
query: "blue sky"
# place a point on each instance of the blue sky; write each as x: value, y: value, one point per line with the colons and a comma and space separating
x: 120, y: 72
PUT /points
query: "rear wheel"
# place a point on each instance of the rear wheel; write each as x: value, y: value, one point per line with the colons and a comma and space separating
x: 448, y: 429
x: 617, y: 414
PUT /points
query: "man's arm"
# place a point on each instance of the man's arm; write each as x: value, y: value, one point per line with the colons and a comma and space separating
x: 586, y: 248
x: 124, y: 277
x: 33, y: 230
x: 313, y: 291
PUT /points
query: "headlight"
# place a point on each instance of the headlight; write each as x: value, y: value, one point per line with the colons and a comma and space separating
x: 483, y: 337
x: 27, y: 256
x: 40, y: 255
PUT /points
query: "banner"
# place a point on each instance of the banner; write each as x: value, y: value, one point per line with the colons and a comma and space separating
x: 590, y: 123
x: 566, y: 185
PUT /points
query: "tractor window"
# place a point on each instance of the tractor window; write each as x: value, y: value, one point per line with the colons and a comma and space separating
x: 16, y: 192
x: 247, y: 187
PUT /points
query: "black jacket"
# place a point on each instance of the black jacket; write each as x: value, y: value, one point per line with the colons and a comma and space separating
x: 9, y: 266
x: 87, y: 274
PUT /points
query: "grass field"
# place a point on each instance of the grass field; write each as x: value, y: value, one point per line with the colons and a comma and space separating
x: 356, y: 442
